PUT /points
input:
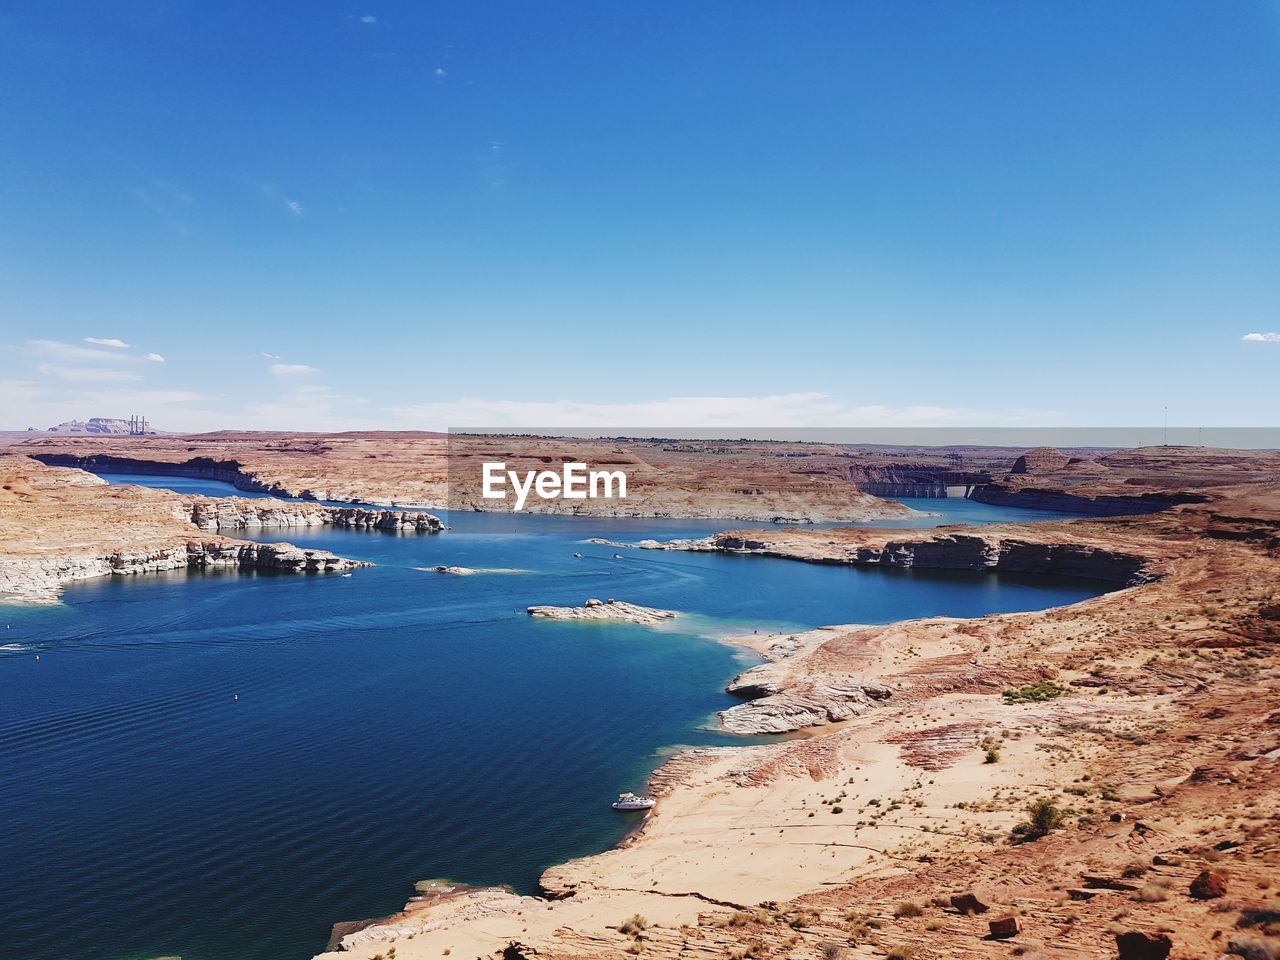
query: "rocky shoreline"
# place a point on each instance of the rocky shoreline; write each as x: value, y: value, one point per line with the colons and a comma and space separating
x: 998, y: 548
x: 1140, y: 717
x: 59, y: 525
x: 40, y: 580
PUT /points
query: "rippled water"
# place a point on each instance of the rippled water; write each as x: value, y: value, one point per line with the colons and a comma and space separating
x: 221, y: 765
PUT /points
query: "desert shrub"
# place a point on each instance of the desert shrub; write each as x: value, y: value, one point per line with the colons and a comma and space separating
x: 908, y: 909
x: 1045, y: 817
x: 1035, y: 692
x: 633, y: 925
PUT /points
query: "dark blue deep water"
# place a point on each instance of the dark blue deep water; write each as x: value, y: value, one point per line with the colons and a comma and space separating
x: 390, y: 726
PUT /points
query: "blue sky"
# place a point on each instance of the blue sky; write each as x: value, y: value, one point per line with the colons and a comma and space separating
x: 333, y: 215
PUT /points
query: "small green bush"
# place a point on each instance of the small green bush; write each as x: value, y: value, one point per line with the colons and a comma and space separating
x: 1046, y: 816
x: 1035, y: 692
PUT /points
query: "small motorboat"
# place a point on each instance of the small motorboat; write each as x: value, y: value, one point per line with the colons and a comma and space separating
x: 577, y: 554
x: 629, y: 801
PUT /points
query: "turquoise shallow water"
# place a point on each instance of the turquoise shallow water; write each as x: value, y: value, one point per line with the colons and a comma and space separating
x: 221, y: 765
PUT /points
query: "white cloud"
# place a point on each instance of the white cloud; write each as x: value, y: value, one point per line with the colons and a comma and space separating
x: 439, y: 71
x: 269, y: 356
x: 775, y: 410
x: 369, y: 18
x: 24, y: 404
x: 291, y: 370
x: 1262, y: 337
x: 154, y: 358
x: 107, y: 342
x: 72, y: 353
x: 87, y: 374
x: 294, y: 207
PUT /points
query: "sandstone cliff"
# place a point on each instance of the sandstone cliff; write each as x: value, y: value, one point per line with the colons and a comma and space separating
x: 996, y: 548
x: 237, y: 513
x: 59, y: 525
x: 38, y: 579
x: 1142, y: 480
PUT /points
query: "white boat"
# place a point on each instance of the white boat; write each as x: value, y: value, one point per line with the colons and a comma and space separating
x: 629, y: 801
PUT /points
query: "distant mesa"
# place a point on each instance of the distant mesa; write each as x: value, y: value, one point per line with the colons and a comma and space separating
x: 1047, y: 461
x: 1041, y: 460
x: 110, y: 426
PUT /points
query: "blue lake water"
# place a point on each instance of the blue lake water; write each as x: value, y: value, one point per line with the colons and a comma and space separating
x: 220, y: 765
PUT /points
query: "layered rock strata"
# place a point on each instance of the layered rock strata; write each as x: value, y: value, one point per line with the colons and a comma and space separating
x: 997, y: 548
x: 236, y: 513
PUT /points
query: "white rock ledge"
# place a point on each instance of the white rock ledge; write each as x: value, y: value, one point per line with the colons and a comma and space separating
x: 616, y: 610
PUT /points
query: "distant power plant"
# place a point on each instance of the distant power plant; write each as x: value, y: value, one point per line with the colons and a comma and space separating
x: 136, y: 426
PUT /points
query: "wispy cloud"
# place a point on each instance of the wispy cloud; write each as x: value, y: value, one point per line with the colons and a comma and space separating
x: 87, y: 374
x: 1262, y: 337
x: 269, y: 356
x: 108, y: 360
x: 440, y: 71
x: 774, y: 410
x: 272, y: 193
x: 73, y: 353
x: 369, y: 19
x: 291, y: 370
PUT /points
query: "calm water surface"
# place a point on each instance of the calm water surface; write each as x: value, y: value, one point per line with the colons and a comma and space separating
x: 220, y: 765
